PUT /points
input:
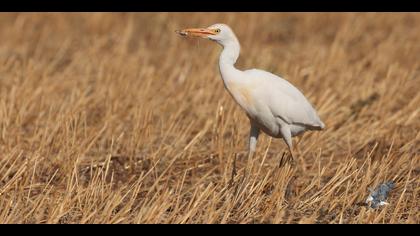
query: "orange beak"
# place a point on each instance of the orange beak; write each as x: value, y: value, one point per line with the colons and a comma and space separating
x: 198, y: 32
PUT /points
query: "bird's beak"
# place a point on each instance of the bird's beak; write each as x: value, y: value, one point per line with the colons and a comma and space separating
x: 197, y: 32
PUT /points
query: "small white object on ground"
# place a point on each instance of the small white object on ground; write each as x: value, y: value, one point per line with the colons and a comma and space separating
x: 378, y: 196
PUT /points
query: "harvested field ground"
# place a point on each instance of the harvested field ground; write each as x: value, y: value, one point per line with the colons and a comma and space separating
x: 113, y: 118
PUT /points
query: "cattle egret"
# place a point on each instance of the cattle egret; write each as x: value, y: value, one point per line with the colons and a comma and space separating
x: 272, y: 104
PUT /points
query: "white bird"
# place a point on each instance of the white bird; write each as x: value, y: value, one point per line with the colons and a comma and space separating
x: 272, y: 104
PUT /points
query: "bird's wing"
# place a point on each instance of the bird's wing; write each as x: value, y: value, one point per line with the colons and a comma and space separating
x: 286, y: 101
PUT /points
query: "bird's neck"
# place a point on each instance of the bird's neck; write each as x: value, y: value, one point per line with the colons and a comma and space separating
x: 228, y: 59
x: 230, y: 53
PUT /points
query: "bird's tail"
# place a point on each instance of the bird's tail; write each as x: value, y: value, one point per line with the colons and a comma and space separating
x: 319, y: 126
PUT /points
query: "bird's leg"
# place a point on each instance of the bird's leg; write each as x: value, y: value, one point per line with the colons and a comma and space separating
x: 253, y: 139
x: 281, y: 163
x: 287, y: 136
x: 292, y: 159
x: 233, y: 170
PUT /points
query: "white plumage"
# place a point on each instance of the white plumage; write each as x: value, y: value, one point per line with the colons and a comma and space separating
x: 272, y: 104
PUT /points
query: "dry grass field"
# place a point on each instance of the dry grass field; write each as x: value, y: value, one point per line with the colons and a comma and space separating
x: 113, y: 118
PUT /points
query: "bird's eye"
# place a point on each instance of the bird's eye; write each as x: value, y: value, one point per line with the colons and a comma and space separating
x: 217, y: 30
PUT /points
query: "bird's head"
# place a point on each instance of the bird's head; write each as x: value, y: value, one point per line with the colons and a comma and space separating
x: 220, y: 33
